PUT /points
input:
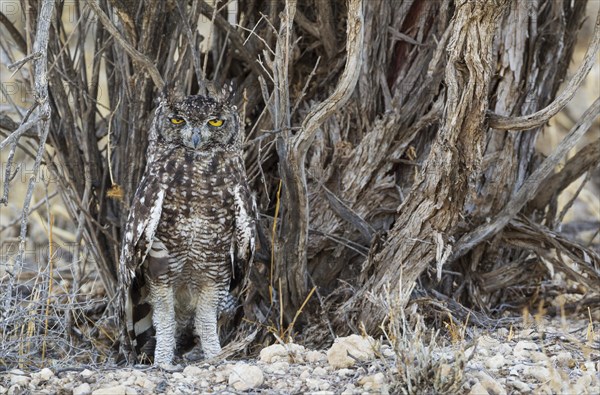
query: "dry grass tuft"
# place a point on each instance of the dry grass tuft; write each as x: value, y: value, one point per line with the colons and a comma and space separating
x: 420, y: 365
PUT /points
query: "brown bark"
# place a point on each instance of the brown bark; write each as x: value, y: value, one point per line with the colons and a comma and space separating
x: 432, y: 210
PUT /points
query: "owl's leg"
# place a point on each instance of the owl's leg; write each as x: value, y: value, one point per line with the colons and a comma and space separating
x: 206, y: 320
x: 163, y: 316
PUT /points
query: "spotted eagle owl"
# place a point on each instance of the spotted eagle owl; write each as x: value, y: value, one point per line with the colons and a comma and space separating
x: 190, y: 231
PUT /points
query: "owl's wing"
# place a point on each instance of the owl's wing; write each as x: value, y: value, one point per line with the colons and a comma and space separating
x: 244, y: 236
x: 142, y: 222
x: 144, y: 216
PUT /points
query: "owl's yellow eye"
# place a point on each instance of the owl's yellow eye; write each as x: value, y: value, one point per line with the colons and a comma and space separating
x: 216, y: 122
x: 177, y: 121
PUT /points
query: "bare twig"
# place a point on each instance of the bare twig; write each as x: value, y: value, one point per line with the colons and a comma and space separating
x: 41, y: 91
x: 235, y: 37
x: 14, y: 33
x: 293, y: 153
x: 134, y: 53
x: 23, y: 128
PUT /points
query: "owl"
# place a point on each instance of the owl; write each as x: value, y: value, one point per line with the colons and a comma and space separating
x: 189, y: 237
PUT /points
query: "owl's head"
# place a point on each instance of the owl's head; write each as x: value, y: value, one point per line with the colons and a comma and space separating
x: 198, y: 122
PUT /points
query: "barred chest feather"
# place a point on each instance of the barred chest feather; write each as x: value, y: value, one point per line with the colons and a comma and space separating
x: 197, y: 221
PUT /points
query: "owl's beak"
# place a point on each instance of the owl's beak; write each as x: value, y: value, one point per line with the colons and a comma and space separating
x: 196, y: 138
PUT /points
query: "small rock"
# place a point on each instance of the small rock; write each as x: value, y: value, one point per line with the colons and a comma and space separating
x: 520, y: 386
x: 315, y: 384
x: 490, y: 385
x: 495, y: 362
x: 539, y: 373
x: 18, y: 377
x: 144, y: 382
x: 487, y: 342
x: 505, y: 349
x: 83, y: 389
x: 244, y: 377
x: 192, y: 371
x: 387, y: 351
x: 361, y: 348
x: 344, y: 372
x: 86, y: 373
x: 319, y: 371
x: 537, y: 356
x: 373, y: 382
x: 272, y: 353
x: 478, y: 389
x: 315, y: 356
x: 523, y: 349
x: 305, y: 374
x: 516, y: 369
x: 116, y: 390
x: 45, y: 374
x: 279, y: 367
x: 295, y: 352
x: 349, y: 390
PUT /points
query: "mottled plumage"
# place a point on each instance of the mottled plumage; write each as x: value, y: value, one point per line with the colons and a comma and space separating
x: 190, y: 232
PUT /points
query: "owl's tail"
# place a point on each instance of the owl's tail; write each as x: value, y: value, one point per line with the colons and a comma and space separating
x: 138, y: 316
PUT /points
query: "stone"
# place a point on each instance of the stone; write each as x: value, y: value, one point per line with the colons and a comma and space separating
x: 289, y: 352
x: 361, y: 348
x: 540, y: 373
x: 178, y: 376
x: 373, y: 382
x: 478, y: 389
x: 86, y: 373
x: 315, y: 356
x: 45, y: 374
x: 316, y: 384
x: 279, y: 367
x: 116, y: 390
x: 524, y: 348
x: 296, y: 352
x: 345, y: 372
x: 305, y: 374
x: 273, y: 353
x: 495, y: 362
x: 192, y: 371
x: 18, y: 377
x: 319, y: 371
x: 487, y: 342
x: 516, y: 369
x: 490, y: 384
x: 244, y: 377
x: 349, y: 389
x: 144, y: 382
x: 82, y: 389
x: 520, y: 386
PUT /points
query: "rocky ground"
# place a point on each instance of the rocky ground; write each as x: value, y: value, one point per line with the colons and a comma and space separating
x: 551, y: 357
